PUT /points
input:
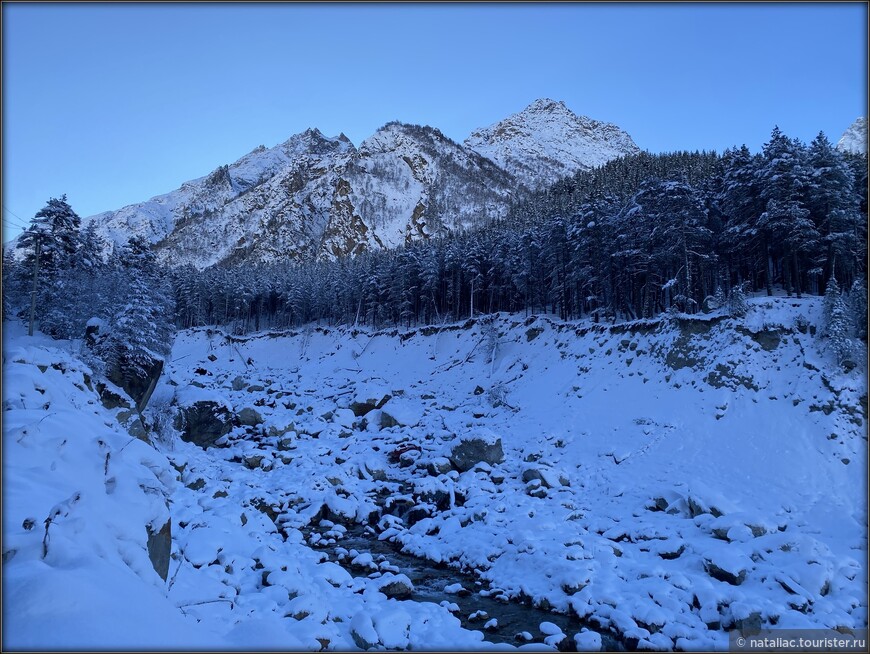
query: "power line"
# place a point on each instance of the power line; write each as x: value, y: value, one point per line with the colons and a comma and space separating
x: 11, y: 224
x: 24, y: 222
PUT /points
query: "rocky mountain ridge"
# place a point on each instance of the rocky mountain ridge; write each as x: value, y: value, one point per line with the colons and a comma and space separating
x: 315, y: 196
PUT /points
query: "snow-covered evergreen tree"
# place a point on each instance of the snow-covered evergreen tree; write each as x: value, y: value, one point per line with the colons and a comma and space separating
x: 832, y: 292
x: 140, y: 331
x: 738, y: 305
x: 833, y: 206
x: 837, y: 329
x: 50, y: 245
x: 858, y: 308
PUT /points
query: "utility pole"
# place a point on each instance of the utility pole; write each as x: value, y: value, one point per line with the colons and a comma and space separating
x: 33, y: 292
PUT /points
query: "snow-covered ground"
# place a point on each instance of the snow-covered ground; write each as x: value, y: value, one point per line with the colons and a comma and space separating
x: 664, y: 481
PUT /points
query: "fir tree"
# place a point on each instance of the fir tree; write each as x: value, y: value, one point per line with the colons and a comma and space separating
x: 141, y: 329
x: 858, y: 308
x: 838, y: 330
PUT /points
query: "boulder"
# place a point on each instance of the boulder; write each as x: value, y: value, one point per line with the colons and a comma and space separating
x: 160, y: 547
x: 474, y: 448
x: 134, y: 425
x: 249, y: 417
x: 375, y: 469
x: 254, y: 462
x: 110, y: 399
x: 363, y: 631
x: 396, y: 586
x: 439, y: 466
x: 203, y: 423
x: 731, y: 570
x: 750, y: 625
x: 238, y: 384
x: 388, y: 421
x: 138, y: 381
x: 360, y: 407
x: 547, y: 476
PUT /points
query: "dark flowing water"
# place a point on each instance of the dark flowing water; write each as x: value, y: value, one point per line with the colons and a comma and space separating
x: 430, y: 579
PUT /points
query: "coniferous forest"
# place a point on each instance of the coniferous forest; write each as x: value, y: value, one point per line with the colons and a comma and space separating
x: 641, y: 235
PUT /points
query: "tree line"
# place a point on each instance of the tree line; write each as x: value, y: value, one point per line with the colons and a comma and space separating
x: 637, y: 237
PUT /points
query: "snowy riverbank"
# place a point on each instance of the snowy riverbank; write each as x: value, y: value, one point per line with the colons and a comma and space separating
x: 662, y: 481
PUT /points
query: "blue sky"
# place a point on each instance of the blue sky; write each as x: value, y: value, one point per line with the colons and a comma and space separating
x: 113, y: 104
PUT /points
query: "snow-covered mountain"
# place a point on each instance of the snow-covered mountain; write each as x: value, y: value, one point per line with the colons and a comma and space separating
x: 270, y: 203
x: 854, y: 139
x: 315, y: 196
x: 547, y: 141
x: 320, y: 197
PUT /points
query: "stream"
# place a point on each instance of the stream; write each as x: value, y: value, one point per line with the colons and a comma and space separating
x: 517, y: 622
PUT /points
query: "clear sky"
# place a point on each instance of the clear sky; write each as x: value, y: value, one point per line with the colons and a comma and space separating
x: 113, y: 104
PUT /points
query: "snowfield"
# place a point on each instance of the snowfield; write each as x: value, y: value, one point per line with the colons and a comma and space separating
x: 660, y: 482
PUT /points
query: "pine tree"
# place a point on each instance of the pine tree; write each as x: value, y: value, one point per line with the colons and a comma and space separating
x: 56, y: 228
x: 838, y: 330
x: 141, y: 329
x: 832, y: 292
x: 783, y: 178
x: 833, y: 206
x: 738, y: 305
x: 858, y: 308
x: 50, y: 244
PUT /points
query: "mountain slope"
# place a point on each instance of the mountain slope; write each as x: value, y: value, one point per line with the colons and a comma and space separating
x: 854, y: 139
x: 547, y: 141
x: 271, y: 203
x: 408, y: 183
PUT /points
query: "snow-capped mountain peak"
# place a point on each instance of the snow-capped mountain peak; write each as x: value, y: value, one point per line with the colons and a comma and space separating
x: 854, y: 139
x: 547, y: 141
x: 314, y: 196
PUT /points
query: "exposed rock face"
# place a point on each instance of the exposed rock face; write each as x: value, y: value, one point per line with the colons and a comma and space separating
x: 547, y: 141
x: 137, y: 383
x: 272, y: 203
x: 203, y: 423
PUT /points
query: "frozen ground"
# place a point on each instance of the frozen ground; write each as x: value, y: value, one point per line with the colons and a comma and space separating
x: 663, y: 482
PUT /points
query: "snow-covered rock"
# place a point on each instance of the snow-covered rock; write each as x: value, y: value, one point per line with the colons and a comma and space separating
x: 480, y: 445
